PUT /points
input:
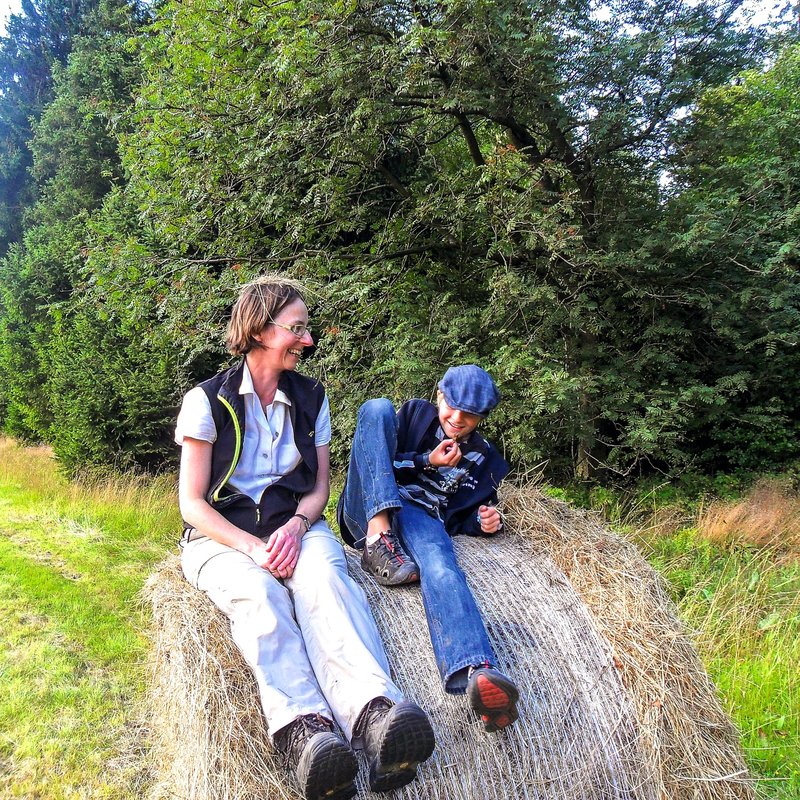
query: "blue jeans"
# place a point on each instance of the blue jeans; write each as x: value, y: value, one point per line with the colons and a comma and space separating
x: 457, y: 631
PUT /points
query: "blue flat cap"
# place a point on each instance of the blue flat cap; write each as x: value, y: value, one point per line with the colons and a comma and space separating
x: 469, y: 388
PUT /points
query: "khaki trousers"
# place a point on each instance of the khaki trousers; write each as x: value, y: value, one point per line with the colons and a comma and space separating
x: 310, y: 640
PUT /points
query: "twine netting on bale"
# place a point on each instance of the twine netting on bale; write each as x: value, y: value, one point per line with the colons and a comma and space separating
x: 615, y: 704
x: 686, y: 736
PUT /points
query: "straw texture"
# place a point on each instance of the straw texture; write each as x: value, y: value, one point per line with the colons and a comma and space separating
x: 615, y: 704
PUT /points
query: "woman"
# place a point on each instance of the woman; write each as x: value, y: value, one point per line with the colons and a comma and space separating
x: 254, y: 481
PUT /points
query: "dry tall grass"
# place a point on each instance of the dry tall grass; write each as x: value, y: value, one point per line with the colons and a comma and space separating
x: 615, y: 703
x: 768, y: 516
x: 35, y: 463
x: 150, y: 500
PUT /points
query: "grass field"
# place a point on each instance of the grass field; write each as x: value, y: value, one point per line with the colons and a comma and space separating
x: 743, y: 605
x: 73, y: 648
x: 72, y: 645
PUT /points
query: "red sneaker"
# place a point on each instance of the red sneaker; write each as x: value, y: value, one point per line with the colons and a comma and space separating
x: 494, y: 696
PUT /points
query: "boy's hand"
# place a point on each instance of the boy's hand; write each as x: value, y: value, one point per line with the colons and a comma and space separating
x: 490, y: 519
x: 446, y: 454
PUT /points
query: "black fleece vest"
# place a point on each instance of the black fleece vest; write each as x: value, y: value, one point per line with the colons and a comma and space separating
x: 279, y: 501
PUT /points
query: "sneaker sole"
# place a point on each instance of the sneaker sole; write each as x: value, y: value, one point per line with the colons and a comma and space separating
x: 395, y: 580
x: 494, y: 697
x: 407, y: 742
x: 331, y: 769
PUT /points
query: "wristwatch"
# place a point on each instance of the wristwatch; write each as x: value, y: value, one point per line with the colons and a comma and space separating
x: 305, y: 521
x: 426, y: 463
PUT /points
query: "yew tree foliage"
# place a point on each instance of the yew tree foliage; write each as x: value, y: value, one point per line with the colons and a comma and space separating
x: 69, y: 376
x: 37, y: 43
x: 460, y: 181
x: 37, y: 40
x: 569, y: 194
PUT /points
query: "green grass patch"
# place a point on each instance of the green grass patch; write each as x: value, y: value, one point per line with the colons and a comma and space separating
x: 73, y: 558
x: 743, y: 605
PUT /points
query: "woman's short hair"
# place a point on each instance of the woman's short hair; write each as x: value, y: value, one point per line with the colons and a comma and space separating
x: 259, y: 302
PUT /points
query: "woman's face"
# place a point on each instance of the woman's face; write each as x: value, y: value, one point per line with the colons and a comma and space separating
x: 282, y: 347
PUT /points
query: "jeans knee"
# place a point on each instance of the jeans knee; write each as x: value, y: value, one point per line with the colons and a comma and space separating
x: 378, y: 408
x: 438, y: 566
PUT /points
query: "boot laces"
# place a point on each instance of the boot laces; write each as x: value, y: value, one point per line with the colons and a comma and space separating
x: 297, y: 734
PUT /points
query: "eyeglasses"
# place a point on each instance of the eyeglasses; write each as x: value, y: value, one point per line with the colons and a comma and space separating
x: 297, y: 329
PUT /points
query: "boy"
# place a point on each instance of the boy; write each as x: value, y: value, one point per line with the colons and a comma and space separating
x: 415, y: 479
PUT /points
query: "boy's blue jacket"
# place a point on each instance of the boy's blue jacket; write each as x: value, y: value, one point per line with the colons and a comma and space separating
x: 418, y: 421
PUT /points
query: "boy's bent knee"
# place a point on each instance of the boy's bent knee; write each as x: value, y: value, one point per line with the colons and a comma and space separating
x: 378, y: 407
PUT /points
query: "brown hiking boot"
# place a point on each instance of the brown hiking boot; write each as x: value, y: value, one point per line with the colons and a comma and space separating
x: 397, y: 738
x: 323, y: 762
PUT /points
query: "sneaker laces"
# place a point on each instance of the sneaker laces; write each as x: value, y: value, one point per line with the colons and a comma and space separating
x: 392, y: 544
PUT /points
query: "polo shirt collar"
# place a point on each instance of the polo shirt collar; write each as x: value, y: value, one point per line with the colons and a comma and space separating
x: 246, y: 387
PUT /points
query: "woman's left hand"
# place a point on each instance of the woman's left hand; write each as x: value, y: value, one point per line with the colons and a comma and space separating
x: 284, y: 548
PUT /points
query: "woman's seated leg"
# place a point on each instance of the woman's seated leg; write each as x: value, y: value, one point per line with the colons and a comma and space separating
x: 263, y: 627
x: 340, y: 634
x: 345, y: 648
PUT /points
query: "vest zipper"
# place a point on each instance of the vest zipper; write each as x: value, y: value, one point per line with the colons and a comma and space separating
x: 237, y: 449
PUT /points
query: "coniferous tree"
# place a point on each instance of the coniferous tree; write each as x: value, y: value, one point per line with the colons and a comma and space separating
x: 74, y: 164
x: 36, y: 40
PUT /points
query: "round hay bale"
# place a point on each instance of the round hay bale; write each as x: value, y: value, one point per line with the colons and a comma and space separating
x: 689, y: 742
x: 614, y: 701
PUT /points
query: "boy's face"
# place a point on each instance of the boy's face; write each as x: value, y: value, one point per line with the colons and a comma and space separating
x: 456, y: 424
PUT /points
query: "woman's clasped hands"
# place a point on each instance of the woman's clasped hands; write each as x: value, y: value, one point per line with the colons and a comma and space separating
x: 279, y: 554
